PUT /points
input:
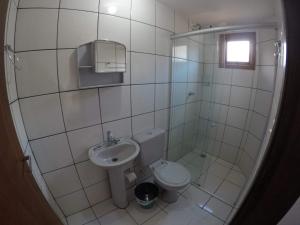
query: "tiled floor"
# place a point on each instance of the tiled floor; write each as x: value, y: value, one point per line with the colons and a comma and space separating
x: 209, y: 200
x: 215, y: 176
x: 194, y: 207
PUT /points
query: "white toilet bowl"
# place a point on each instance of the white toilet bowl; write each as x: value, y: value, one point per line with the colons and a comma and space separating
x: 170, y: 177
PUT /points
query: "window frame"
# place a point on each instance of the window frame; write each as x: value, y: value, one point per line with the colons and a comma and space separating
x: 245, y: 36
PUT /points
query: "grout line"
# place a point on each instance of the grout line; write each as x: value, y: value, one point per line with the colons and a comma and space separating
x: 94, y: 125
x: 101, y: 119
x: 155, y: 214
x: 125, y: 85
x: 91, y: 207
x: 213, y: 194
x: 127, y: 211
x: 58, y: 86
x: 155, y: 50
x: 99, y: 12
x: 130, y: 72
x: 210, y: 197
x: 82, y: 188
x: 61, y: 106
x: 40, y: 172
x: 106, y: 213
x: 211, y: 213
x: 70, y: 193
x: 93, y: 220
x: 60, y: 208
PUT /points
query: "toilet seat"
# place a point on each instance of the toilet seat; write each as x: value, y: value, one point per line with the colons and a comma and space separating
x: 170, y: 175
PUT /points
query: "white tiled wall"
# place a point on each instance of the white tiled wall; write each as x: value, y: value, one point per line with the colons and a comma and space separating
x: 60, y: 120
x: 235, y: 104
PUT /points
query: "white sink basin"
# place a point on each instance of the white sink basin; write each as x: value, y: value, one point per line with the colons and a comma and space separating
x: 115, y: 155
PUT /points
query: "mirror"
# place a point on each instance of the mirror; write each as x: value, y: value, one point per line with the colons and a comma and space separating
x: 110, y: 57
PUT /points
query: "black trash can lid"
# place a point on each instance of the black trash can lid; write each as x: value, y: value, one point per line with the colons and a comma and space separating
x: 146, y: 191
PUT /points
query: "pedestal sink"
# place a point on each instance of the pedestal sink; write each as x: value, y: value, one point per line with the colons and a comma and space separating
x: 116, y: 158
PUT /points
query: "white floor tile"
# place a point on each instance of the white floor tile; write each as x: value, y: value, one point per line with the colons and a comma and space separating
x: 139, y: 214
x: 182, y: 162
x: 209, y: 182
x: 184, y: 189
x: 189, y: 157
x: 194, y: 171
x: 159, y: 219
x: 224, y: 163
x: 218, y: 208
x: 196, y: 196
x: 104, y: 207
x: 236, y: 178
x: 95, y: 222
x: 161, y: 204
x: 163, y: 218
x: 231, y: 215
x: 82, y: 217
x: 117, y: 217
x: 185, y: 212
x: 228, y: 192
x: 218, y: 170
x: 205, y: 218
x: 182, y: 211
x: 236, y: 168
x: 198, y: 162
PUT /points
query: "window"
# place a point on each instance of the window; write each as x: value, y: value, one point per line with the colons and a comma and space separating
x: 237, y: 50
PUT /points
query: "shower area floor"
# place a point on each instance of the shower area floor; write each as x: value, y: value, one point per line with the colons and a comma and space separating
x: 215, y: 176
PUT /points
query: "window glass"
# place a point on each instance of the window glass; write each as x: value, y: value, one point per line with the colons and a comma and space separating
x: 238, y: 51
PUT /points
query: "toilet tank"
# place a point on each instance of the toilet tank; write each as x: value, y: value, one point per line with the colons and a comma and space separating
x: 151, y: 143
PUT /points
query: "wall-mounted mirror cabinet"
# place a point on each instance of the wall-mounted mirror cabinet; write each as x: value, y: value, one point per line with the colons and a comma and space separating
x: 109, y: 57
x: 101, y: 63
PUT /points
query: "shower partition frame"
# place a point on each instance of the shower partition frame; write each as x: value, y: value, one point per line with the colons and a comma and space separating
x: 224, y: 28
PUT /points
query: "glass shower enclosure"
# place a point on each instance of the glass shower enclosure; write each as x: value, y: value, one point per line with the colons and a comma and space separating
x: 218, y: 116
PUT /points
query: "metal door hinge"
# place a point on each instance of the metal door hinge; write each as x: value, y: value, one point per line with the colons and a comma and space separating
x: 277, y: 45
x: 27, y: 158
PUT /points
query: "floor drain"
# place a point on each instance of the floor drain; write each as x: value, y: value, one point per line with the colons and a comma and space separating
x: 203, y: 155
x: 114, y: 159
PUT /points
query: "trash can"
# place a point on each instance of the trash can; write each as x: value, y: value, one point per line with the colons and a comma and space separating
x: 146, y: 194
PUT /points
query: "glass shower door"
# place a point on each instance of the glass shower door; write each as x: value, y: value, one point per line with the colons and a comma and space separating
x: 186, y: 127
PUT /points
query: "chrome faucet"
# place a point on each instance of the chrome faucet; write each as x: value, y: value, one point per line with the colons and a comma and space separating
x: 111, y: 140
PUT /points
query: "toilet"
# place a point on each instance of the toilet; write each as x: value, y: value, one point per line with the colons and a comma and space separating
x: 169, y: 176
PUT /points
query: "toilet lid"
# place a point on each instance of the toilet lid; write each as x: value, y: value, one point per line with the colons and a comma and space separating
x: 172, y: 173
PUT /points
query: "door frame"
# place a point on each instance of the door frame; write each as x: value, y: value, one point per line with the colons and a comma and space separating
x: 21, y: 200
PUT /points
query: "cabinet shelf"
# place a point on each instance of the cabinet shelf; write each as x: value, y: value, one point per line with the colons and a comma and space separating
x: 90, y: 72
x: 85, y: 67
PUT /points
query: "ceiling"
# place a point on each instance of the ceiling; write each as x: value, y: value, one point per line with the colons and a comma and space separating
x: 226, y: 12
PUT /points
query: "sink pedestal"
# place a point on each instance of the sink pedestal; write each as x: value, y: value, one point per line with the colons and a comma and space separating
x: 116, y: 158
x: 118, y: 186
